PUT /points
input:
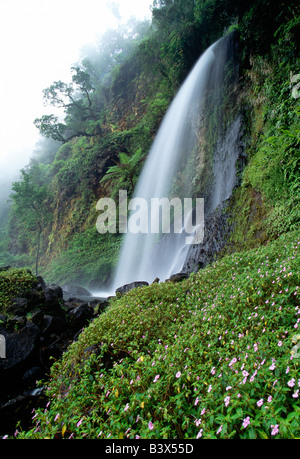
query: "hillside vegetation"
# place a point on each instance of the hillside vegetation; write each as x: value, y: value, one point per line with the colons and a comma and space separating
x: 216, y: 356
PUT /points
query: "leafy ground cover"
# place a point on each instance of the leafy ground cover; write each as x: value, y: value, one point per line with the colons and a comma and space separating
x: 14, y: 282
x: 215, y: 356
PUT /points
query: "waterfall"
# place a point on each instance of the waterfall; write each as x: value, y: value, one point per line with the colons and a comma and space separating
x: 176, y: 164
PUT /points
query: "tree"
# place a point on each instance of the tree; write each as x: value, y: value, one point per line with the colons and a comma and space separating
x: 30, y: 205
x: 51, y: 128
x: 75, y: 95
x: 83, y: 82
x: 76, y: 100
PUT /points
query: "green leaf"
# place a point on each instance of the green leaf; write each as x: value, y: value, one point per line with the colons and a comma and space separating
x: 262, y: 434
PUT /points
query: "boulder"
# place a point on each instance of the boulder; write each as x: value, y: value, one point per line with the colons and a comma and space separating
x: 75, y: 290
x: 3, y: 320
x: 52, y: 326
x: 31, y: 344
x: 37, y: 318
x: 216, y: 235
x: 127, y: 287
x: 80, y: 316
x: 41, y: 284
x: 18, y: 306
x: 15, y: 323
x: 32, y: 374
x: 22, y: 352
x: 54, y: 289
x: 72, y: 303
x: 178, y: 277
x: 99, y: 305
x: 20, y: 409
x: 36, y: 298
x: 53, y: 301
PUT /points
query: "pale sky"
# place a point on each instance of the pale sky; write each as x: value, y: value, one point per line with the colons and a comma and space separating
x: 39, y: 42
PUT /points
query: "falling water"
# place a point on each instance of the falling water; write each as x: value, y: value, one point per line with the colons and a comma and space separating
x: 145, y: 256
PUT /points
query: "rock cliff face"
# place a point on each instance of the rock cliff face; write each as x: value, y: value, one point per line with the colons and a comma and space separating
x: 216, y: 233
x: 216, y: 223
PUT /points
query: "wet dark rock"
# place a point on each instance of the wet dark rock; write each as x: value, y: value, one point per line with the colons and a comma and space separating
x: 18, y: 306
x: 53, y: 296
x: 20, y: 409
x: 37, y: 318
x: 3, y: 320
x: 80, y: 316
x: 37, y: 329
x: 32, y: 374
x: 16, y: 323
x: 20, y: 347
x: 216, y: 234
x: 54, y: 289
x: 127, y: 287
x: 75, y: 291
x: 178, y: 277
x: 53, y: 351
x: 41, y: 284
x: 52, y: 326
x: 22, y: 352
x: 72, y: 303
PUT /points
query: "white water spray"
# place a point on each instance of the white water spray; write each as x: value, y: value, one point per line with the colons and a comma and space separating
x: 146, y: 256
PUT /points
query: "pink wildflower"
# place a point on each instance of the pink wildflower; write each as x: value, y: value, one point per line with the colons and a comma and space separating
x: 260, y: 402
x: 275, y: 429
x: 219, y: 429
x: 291, y: 383
x: 246, y: 421
x: 200, y: 433
x: 227, y: 400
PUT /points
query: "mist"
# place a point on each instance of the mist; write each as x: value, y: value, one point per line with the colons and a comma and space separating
x: 40, y: 41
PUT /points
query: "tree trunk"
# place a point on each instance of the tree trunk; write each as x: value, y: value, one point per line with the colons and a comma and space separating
x: 38, y: 253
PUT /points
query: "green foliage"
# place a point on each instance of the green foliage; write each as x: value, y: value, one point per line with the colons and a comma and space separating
x: 213, y: 357
x: 14, y: 282
x: 275, y: 168
x: 267, y: 204
x: 126, y: 171
x: 18, y: 260
x: 261, y: 19
x: 89, y: 260
x: 51, y: 128
x: 31, y: 207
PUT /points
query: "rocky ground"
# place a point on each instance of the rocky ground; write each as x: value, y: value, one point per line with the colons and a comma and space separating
x: 38, y: 329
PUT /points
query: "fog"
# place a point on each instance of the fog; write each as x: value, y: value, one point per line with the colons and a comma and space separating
x: 39, y: 42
